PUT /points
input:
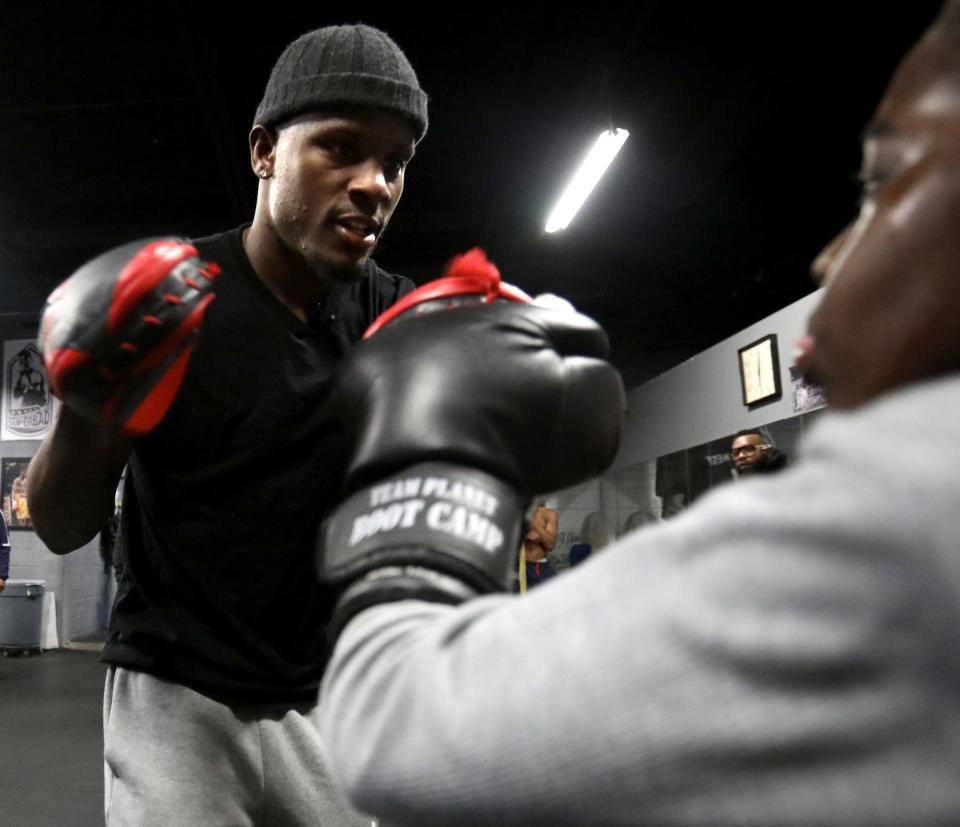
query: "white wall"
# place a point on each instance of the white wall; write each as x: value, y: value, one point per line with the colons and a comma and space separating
x: 694, y: 403
x: 701, y: 400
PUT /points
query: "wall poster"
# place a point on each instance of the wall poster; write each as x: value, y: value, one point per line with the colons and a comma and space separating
x: 13, y: 484
x: 28, y: 405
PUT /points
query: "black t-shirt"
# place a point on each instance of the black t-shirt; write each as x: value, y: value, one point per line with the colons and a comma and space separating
x: 224, y: 498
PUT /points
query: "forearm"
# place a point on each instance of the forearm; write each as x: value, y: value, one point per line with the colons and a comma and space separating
x: 382, y: 690
x: 460, y: 716
x: 72, y: 480
x: 648, y: 685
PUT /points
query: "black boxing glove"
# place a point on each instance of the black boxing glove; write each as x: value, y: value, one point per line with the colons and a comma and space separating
x: 117, y: 335
x: 458, y: 418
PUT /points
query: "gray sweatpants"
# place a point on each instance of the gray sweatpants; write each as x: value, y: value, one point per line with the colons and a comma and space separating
x: 174, y: 756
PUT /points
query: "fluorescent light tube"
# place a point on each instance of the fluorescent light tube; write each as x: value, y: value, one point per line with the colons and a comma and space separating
x: 585, y: 178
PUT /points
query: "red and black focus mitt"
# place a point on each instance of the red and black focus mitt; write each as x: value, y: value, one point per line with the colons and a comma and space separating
x: 116, y: 336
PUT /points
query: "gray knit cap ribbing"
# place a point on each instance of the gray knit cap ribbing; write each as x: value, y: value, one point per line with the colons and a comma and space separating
x: 343, y: 66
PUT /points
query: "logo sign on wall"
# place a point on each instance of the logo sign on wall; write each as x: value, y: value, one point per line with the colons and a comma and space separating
x: 28, y: 405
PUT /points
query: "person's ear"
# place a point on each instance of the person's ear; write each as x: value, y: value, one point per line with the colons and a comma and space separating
x: 263, y: 150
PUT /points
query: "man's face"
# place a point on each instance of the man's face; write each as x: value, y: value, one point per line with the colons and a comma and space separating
x: 890, y: 311
x: 747, y: 450
x: 335, y: 182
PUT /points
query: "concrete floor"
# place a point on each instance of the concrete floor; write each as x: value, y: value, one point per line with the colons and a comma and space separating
x: 51, y: 764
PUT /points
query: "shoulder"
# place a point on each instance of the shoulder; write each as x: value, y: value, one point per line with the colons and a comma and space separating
x: 357, y: 304
x: 237, y: 282
x: 374, y: 292
x: 909, y: 433
x: 225, y: 248
x: 229, y: 239
x: 389, y: 285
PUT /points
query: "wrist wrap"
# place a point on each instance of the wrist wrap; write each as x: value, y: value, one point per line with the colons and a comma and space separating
x: 435, y: 531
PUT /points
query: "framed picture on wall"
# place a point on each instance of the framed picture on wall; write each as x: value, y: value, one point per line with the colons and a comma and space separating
x: 760, y: 371
x: 13, y: 483
x: 28, y: 407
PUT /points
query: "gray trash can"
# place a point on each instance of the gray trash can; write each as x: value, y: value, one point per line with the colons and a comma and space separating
x: 21, y: 614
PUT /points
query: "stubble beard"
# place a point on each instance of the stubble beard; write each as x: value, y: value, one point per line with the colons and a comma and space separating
x: 328, y: 270
x: 332, y: 272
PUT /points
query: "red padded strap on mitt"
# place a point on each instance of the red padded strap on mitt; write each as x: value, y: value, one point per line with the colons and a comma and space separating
x: 152, y: 408
x: 159, y: 376
x: 142, y: 274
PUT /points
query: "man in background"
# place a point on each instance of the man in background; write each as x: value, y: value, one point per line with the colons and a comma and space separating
x: 753, y: 452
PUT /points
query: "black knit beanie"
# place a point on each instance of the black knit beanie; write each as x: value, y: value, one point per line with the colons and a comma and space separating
x: 343, y: 66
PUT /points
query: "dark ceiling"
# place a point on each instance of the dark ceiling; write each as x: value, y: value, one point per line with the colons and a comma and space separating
x: 122, y: 121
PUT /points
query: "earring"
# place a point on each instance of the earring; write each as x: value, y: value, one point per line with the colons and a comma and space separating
x: 264, y: 173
